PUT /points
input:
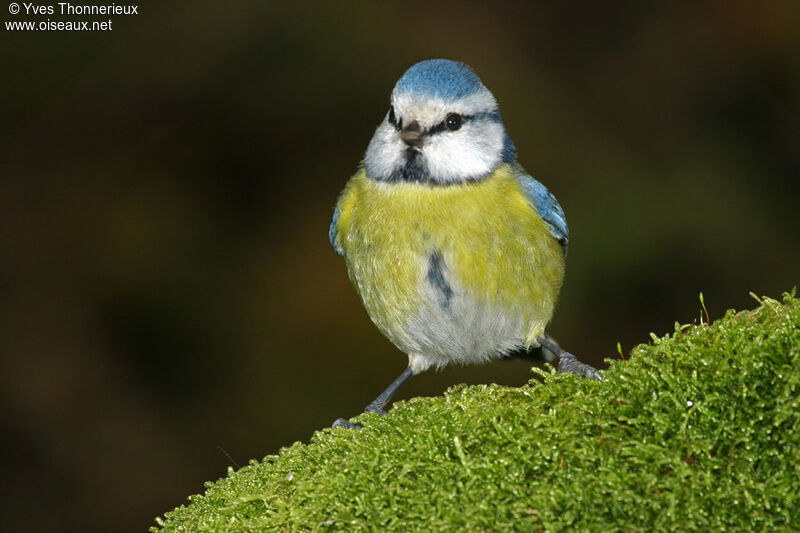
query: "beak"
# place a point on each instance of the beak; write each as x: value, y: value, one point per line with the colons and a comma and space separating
x: 412, y: 134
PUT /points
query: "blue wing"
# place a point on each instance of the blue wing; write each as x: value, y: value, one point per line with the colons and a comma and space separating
x: 332, y: 233
x: 547, y: 207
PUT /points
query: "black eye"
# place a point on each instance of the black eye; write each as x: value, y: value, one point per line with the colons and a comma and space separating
x: 392, y: 118
x: 453, y: 121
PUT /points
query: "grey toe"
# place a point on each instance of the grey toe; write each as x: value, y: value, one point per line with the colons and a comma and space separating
x: 569, y: 363
x: 346, y: 424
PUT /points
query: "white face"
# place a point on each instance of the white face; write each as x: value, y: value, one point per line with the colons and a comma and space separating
x: 441, y: 155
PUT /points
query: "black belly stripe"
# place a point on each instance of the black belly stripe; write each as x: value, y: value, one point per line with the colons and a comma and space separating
x: 437, y: 279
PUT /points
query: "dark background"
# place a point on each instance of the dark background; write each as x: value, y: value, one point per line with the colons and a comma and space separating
x: 169, y: 303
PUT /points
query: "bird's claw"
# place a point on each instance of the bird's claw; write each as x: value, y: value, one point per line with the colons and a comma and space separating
x: 345, y: 424
x: 570, y: 364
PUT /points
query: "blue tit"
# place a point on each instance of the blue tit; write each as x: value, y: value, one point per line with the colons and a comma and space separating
x: 457, y: 254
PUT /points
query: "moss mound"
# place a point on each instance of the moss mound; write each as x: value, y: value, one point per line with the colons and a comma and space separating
x: 696, y: 431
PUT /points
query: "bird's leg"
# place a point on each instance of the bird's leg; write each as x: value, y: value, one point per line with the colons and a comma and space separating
x: 377, y: 405
x: 566, y: 361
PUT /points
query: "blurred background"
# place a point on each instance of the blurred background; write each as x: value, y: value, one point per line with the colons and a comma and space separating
x: 169, y: 303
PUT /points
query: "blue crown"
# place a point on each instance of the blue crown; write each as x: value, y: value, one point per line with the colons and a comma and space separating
x: 440, y: 78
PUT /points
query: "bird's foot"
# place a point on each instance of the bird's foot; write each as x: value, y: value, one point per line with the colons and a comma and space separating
x: 345, y: 424
x: 569, y: 363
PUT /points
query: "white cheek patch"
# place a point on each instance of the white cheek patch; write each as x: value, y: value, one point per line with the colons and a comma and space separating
x: 471, y: 152
x: 385, y: 152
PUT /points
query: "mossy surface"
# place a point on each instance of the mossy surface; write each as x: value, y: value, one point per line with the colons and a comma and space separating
x: 696, y: 431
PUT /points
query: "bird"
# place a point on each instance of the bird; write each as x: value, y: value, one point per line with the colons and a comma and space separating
x: 456, y: 252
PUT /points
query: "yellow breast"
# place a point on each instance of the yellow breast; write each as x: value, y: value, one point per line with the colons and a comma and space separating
x: 492, y: 242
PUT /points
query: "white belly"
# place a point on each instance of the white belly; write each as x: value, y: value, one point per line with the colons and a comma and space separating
x: 454, y: 326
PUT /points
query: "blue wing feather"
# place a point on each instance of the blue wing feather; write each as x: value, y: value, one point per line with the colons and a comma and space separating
x: 333, y: 233
x: 547, y: 207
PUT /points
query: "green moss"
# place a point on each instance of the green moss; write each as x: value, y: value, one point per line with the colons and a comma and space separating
x: 696, y: 431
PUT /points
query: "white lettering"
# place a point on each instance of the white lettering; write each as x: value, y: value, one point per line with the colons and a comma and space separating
x: 33, y: 9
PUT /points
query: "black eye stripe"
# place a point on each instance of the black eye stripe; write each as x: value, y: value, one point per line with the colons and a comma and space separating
x: 442, y: 126
x: 393, y: 119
